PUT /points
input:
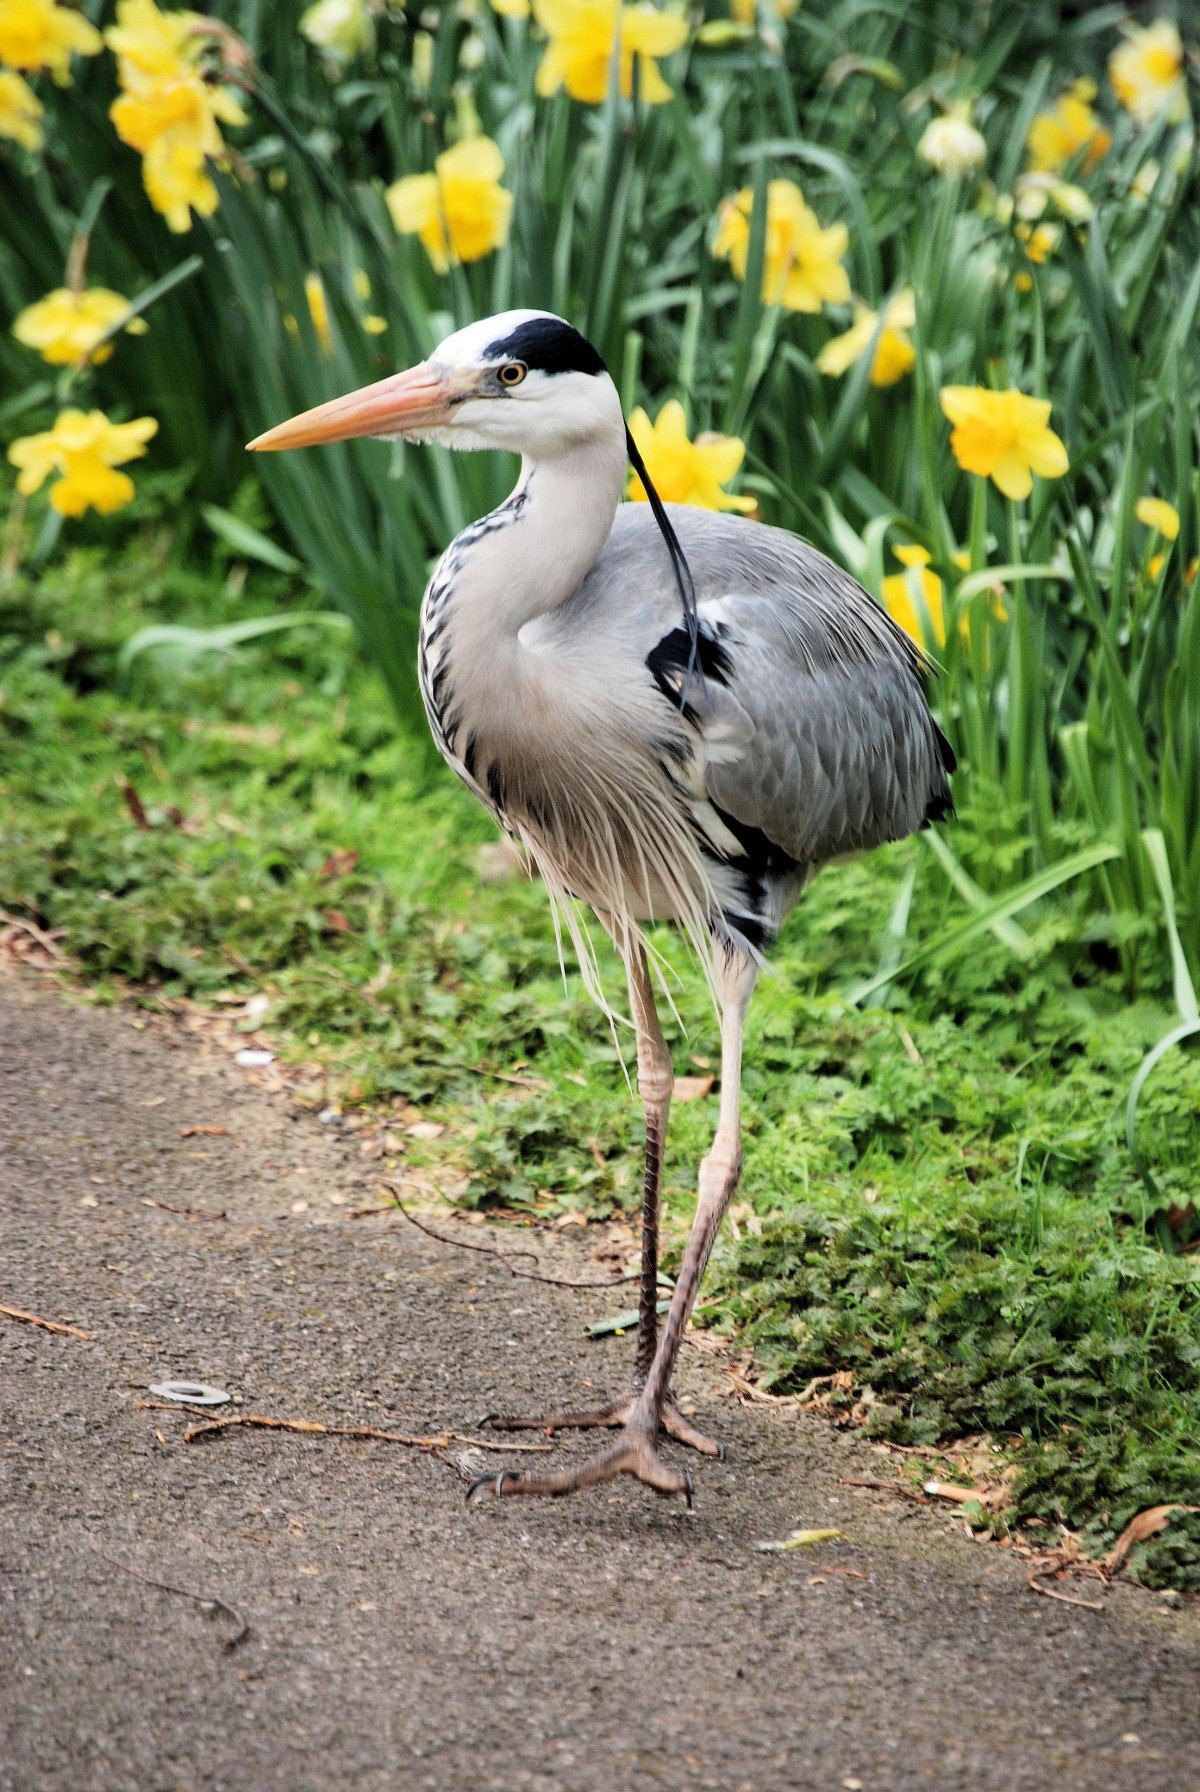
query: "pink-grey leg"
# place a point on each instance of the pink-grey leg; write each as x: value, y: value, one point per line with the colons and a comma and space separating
x: 636, y: 1452
x: 655, y: 1081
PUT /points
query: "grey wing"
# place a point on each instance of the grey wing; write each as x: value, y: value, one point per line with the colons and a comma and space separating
x: 833, y: 758
x: 815, y: 736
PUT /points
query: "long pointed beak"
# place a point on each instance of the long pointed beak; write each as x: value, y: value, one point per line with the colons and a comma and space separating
x: 421, y: 398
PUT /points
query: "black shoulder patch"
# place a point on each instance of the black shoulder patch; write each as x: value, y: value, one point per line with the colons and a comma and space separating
x: 550, y: 345
x: 761, y: 857
x: 668, y: 661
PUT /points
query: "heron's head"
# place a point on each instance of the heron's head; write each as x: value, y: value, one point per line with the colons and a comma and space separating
x: 523, y: 380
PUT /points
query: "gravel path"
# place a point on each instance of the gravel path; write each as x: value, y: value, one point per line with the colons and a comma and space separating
x: 399, y: 1640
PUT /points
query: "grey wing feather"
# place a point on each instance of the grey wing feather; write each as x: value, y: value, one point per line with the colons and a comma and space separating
x: 814, y: 724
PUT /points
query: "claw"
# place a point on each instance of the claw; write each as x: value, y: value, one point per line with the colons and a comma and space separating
x: 495, y: 1482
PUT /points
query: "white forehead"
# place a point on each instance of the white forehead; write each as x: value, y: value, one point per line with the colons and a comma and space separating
x: 468, y: 347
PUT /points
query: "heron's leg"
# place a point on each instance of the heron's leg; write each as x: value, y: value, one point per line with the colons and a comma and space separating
x: 637, y: 1452
x: 655, y: 1081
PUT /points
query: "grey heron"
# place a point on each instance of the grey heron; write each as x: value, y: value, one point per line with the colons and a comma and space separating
x: 681, y: 715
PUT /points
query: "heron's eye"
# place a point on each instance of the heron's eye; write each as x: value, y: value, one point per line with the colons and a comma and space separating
x: 512, y: 373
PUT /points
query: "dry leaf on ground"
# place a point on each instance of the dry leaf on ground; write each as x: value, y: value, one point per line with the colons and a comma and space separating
x: 1146, y: 1524
x: 800, y: 1540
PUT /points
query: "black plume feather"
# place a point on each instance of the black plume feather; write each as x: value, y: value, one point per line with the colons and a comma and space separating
x: 679, y: 566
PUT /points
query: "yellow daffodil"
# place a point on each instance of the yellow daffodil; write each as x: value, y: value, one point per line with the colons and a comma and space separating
x: 951, y: 144
x: 1057, y: 136
x: 1035, y: 191
x: 177, y: 182
x: 1157, y: 514
x: 915, y: 590
x: 582, y: 38
x: 65, y: 326
x: 1038, y: 240
x: 460, y: 211
x: 1004, y: 436
x: 182, y: 106
x: 344, y: 29
x: 802, y: 264
x: 683, y: 471
x: 894, y: 353
x: 20, y: 111
x: 318, y: 310
x: 1147, y: 71
x: 913, y: 598
x: 149, y: 42
x: 743, y: 12
x: 37, y: 35
x: 167, y: 109
x: 85, y: 450
x: 374, y: 326
x: 511, y: 9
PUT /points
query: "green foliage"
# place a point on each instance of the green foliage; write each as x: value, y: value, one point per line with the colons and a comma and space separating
x: 1079, y: 1344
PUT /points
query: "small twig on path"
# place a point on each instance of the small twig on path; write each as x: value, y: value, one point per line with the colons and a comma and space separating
x: 1091, y: 1605
x: 481, y: 1443
x: 47, y: 1325
x: 310, y: 1427
x: 908, y: 1493
x: 460, y: 1244
x: 433, y: 1444
x: 212, y: 1600
x: 193, y: 1213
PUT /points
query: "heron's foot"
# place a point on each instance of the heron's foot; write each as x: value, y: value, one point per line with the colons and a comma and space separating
x: 634, y: 1454
x: 671, y: 1423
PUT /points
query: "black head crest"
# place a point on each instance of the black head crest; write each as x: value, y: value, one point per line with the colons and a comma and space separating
x: 548, y: 344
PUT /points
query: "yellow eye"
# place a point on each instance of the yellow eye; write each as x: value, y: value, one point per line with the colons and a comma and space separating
x: 512, y: 373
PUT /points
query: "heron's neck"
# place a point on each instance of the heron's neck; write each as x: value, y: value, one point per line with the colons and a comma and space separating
x: 534, y: 551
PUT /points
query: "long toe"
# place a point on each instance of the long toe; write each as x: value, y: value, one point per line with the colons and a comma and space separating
x: 617, y: 1412
x: 596, y: 1418
x: 673, y: 1423
x: 634, y: 1455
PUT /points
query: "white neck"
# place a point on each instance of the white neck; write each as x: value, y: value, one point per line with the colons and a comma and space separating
x: 547, y: 538
x: 518, y: 563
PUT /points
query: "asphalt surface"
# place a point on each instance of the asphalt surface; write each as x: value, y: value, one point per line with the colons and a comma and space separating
x: 397, y: 1638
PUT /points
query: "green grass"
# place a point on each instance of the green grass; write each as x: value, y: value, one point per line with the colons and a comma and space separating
x: 948, y: 1207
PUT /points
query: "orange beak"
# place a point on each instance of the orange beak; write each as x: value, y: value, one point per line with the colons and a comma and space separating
x: 422, y: 398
